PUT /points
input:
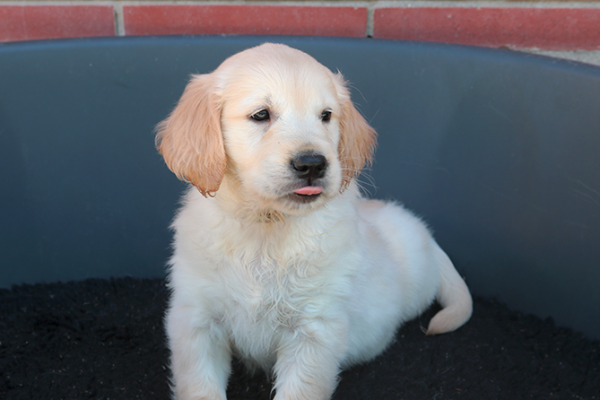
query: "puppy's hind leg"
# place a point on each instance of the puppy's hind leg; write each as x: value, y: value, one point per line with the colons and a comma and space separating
x: 453, y: 295
x: 200, y: 356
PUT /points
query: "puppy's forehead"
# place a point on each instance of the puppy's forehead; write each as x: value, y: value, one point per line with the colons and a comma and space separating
x: 273, y: 70
x: 270, y: 56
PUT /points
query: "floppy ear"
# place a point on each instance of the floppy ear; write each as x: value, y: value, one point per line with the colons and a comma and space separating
x: 190, y: 138
x: 357, y: 137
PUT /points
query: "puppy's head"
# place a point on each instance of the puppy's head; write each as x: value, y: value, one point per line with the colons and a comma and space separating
x: 279, y: 126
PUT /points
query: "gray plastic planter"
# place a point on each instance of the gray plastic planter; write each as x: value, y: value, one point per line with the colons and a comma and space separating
x: 499, y: 152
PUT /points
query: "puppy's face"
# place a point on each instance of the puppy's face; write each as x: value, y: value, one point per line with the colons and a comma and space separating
x: 280, y: 125
x: 276, y: 123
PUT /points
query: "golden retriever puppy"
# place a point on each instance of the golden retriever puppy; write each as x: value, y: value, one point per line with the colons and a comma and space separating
x: 278, y: 259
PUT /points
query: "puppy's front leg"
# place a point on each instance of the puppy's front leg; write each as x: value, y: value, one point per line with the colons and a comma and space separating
x: 201, y: 356
x: 308, y: 360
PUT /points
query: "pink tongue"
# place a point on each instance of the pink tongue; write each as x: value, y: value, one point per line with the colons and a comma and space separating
x: 309, y: 190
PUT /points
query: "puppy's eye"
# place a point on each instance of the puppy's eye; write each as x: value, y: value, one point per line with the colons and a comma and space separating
x: 262, y: 115
x: 326, y: 116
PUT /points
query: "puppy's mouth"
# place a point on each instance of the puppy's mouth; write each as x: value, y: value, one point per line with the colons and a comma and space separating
x: 306, y: 194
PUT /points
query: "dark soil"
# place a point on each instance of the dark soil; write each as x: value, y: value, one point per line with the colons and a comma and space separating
x: 104, y: 339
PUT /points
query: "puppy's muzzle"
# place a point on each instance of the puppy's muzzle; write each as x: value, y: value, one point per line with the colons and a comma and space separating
x: 309, y: 166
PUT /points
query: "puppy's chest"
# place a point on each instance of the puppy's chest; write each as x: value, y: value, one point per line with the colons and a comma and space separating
x: 270, y: 291
x: 270, y: 279
x: 269, y: 297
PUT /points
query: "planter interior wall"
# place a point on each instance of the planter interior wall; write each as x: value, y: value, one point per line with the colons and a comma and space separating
x: 497, y: 151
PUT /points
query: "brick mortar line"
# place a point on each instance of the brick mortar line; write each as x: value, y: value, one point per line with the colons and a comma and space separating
x: 484, y: 4
x: 117, y: 3
x: 119, y: 19
x: 353, y: 4
x: 369, y: 5
x: 26, y: 3
x: 370, y: 21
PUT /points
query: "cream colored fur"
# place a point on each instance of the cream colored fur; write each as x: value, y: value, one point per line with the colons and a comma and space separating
x: 300, y: 289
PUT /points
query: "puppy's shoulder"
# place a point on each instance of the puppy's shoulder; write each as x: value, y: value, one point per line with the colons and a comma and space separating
x: 389, y: 216
x: 381, y: 208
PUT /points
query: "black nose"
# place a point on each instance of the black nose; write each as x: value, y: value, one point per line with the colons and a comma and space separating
x: 309, y: 166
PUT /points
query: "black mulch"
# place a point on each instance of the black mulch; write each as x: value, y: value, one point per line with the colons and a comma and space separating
x: 104, y: 339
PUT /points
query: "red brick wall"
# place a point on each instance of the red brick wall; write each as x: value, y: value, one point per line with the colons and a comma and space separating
x: 546, y: 26
x: 28, y: 22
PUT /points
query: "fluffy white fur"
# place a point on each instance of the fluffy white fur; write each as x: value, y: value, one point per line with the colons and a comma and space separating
x: 299, y: 285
